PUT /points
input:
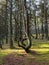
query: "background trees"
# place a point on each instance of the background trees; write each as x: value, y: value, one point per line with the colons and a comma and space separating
x: 23, y: 20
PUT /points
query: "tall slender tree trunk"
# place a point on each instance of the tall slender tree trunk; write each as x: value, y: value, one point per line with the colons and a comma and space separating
x: 11, y: 41
x: 35, y: 24
x: 42, y: 28
x: 42, y: 16
x: 45, y: 19
x: 6, y: 22
x: 0, y: 44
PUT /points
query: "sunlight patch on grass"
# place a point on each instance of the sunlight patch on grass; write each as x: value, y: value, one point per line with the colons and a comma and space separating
x: 44, y: 45
x: 12, y: 50
x: 42, y: 51
x: 8, y: 51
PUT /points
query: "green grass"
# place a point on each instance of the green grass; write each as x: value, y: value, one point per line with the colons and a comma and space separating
x: 40, y: 46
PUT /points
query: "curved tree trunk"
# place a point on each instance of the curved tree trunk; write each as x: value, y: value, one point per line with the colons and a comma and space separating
x: 21, y: 43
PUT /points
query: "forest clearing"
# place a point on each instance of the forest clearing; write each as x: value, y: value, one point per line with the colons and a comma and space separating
x: 24, y: 32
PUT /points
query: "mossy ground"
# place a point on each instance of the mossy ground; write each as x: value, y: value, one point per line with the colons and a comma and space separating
x: 39, y: 46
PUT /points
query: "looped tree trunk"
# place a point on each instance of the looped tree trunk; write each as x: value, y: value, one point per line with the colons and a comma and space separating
x: 24, y: 26
x: 25, y: 45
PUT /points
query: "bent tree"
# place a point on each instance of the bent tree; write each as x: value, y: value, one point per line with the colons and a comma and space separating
x: 24, y: 36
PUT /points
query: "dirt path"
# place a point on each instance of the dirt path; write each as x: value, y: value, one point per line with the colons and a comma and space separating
x: 13, y: 59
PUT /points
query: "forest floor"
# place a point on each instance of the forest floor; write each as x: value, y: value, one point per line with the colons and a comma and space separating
x: 40, y: 55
